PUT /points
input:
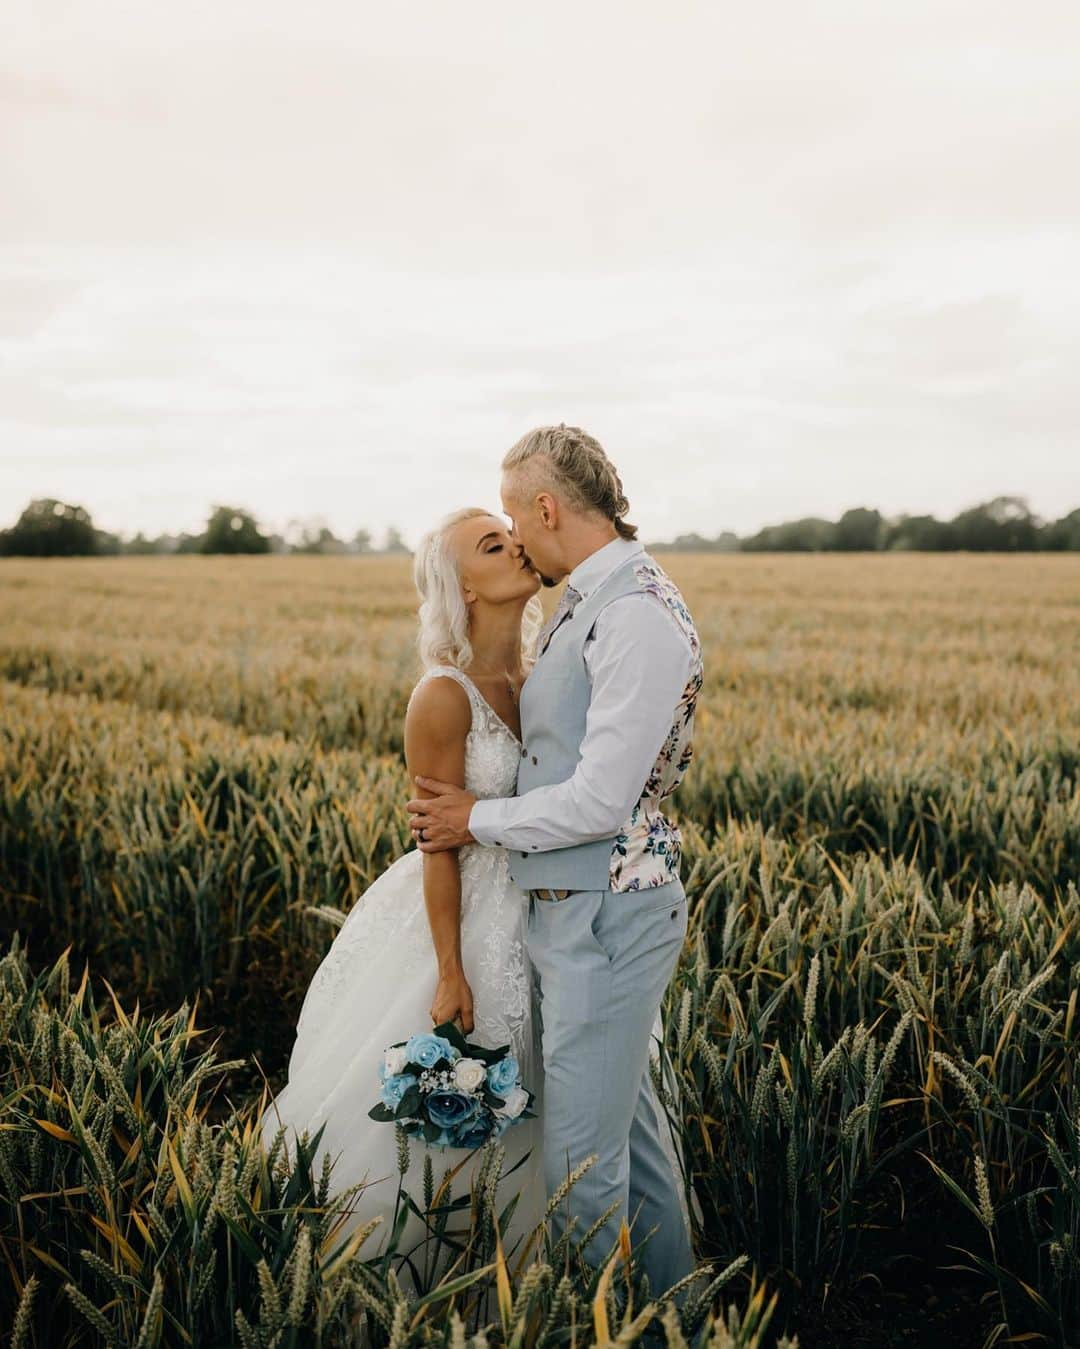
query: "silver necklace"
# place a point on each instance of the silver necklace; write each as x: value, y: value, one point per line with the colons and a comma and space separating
x: 509, y: 685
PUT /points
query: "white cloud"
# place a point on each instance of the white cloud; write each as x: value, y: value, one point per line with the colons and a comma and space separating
x: 780, y: 259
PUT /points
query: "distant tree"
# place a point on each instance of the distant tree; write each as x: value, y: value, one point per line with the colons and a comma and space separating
x: 1003, y: 525
x: 319, y: 541
x: 858, y: 531
x: 697, y: 543
x: 109, y: 544
x: 918, y: 533
x: 809, y: 535
x: 1062, y: 535
x: 361, y: 541
x: 394, y: 542
x: 51, y: 528
x: 168, y: 543
x: 230, y: 530
x: 141, y: 546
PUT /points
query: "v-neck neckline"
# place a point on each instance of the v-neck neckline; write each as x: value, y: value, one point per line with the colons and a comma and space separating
x: 506, y: 728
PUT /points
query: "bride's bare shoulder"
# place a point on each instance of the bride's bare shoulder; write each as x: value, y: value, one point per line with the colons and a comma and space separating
x: 439, y: 707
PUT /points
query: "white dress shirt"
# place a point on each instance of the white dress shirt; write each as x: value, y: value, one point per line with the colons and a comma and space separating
x: 638, y: 661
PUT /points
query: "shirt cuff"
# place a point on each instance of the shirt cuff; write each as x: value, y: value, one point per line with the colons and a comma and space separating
x: 485, y: 821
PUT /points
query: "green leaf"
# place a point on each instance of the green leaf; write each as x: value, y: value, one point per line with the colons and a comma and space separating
x: 409, y: 1104
x: 956, y: 1190
x: 381, y: 1113
x: 488, y: 1056
x: 445, y: 1290
x: 243, y: 1240
x: 449, y: 1031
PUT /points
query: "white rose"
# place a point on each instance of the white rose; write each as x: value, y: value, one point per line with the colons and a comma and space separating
x: 469, y: 1074
x: 395, y: 1059
x: 516, y: 1101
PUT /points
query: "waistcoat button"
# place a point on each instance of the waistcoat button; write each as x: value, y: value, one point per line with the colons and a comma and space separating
x: 534, y: 758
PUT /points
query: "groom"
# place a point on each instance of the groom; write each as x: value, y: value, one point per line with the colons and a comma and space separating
x: 607, y: 718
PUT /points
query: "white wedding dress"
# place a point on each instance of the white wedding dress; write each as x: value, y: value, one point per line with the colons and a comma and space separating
x: 374, y: 988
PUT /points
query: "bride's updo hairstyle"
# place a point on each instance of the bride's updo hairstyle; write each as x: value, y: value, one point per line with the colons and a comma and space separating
x: 444, y: 616
x: 572, y: 462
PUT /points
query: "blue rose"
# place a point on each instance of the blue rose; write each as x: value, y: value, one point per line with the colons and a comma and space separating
x: 474, y: 1133
x: 427, y: 1050
x: 448, y: 1109
x: 501, y: 1076
x: 394, y: 1088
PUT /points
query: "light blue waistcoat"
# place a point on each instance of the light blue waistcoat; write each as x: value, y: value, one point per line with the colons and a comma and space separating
x: 554, y: 704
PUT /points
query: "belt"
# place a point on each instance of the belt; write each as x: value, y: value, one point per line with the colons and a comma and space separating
x: 551, y: 894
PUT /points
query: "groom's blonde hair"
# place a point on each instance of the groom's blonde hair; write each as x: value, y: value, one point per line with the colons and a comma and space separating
x: 573, y: 464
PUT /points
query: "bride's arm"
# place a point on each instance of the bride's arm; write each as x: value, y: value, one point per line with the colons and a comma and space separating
x: 436, y: 724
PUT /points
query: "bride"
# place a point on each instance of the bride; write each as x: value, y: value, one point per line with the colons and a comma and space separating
x: 436, y: 937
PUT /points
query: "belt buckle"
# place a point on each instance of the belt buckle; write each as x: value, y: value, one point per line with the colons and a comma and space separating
x: 552, y: 895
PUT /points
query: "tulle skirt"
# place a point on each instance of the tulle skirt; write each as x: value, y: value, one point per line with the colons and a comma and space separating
x: 374, y: 988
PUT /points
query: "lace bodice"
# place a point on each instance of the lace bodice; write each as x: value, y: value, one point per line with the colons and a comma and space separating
x: 387, y: 929
x: 491, y: 747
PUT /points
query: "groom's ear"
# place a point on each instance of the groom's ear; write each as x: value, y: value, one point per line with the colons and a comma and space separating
x: 548, y: 508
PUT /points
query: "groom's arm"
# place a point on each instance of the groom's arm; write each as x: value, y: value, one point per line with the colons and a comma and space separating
x: 639, y: 662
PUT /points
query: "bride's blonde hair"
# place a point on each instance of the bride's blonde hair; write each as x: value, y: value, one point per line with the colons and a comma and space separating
x: 443, y: 638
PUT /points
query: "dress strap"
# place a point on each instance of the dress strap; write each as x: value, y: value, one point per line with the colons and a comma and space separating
x: 476, y: 701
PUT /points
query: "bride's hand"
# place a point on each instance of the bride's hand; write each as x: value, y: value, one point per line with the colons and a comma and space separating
x: 453, y: 1002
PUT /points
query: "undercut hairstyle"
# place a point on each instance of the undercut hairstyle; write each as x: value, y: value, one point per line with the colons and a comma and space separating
x: 573, y: 465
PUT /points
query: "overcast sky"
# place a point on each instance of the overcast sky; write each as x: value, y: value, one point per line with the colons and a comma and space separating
x: 333, y: 259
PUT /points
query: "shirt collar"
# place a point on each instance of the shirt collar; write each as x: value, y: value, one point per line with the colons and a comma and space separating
x: 598, y: 566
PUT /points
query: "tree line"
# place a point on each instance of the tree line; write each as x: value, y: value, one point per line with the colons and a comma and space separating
x: 50, y: 528
x: 1003, y: 525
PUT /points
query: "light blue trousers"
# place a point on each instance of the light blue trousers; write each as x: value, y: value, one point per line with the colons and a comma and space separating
x: 604, y: 960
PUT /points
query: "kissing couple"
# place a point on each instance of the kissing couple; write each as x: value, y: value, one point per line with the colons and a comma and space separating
x: 542, y: 907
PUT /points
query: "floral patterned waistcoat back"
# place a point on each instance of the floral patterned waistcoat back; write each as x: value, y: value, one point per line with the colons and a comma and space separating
x: 647, y: 849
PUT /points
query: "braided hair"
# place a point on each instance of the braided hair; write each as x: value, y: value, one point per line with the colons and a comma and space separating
x: 579, y: 469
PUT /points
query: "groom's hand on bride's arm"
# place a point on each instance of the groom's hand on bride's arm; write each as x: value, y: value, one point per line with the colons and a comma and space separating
x: 441, y: 821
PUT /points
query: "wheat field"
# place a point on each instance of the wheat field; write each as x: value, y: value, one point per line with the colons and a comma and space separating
x: 873, y: 1023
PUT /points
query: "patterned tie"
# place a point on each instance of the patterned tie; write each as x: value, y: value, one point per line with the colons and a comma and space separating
x: 567, y: 604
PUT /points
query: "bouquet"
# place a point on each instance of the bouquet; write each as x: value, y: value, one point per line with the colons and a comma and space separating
x: 449, y: 1092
